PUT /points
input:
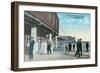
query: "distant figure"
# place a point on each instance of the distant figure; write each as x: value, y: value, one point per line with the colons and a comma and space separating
x: 66, y: 49
x: 87, y: 47
x: 31, y: 47
x: 48, y: 48
x: 74, y: 47
x: 69, y: 46
x: 78, y: 48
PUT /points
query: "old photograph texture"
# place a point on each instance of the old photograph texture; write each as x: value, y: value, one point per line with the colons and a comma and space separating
x: 56, y: 36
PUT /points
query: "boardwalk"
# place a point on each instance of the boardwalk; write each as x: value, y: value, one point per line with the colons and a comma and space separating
x: 58, y: 56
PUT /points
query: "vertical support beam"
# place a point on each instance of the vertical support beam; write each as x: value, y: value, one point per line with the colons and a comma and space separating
x: 56, y: 42
x: 50, y: 37
x: 34, y: 33
x: 34, y: 36
x: 28, y: 40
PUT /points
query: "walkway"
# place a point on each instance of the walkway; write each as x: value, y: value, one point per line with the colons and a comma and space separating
x: 58, y: 56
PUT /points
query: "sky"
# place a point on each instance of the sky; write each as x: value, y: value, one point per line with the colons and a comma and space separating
x: 74, y: 24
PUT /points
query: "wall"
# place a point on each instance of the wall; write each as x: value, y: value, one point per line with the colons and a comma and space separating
x: 5, y: 34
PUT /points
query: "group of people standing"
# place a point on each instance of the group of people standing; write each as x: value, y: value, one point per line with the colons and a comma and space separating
x: 75, y: 47
x: 45, y: 48
x: 78, y: 46
x: 70, y: 47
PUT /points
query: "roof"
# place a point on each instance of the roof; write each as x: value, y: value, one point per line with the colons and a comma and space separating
x: 67, y: 38
x: 48, y: 18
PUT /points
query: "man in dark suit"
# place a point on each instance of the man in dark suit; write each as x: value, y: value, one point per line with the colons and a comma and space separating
x: 70, y: 46
x: 87, y: 47
x: 31, y: 47
x: 78, y: 48
x: 74, y: 47
x: 48, y: 47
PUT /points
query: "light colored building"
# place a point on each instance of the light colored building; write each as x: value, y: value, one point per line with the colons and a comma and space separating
x: 62, y: 41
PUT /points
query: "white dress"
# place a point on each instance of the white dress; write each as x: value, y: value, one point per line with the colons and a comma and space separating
x: 35, y: 48
x: 45, y: 47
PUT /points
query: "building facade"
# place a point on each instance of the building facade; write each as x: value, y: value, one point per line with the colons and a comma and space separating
x: 41, y: 26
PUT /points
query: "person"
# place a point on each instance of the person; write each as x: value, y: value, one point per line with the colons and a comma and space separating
x: 78, y: 48
x: 31, y: 47
x: 66, y: 48
x: 69, y: 46
x: 87, y: 47
x: 48, y: 48
x: 44, y: 47
x: 74, y: 47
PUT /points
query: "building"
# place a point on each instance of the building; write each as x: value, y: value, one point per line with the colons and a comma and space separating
x: 62, y: 41
x: 41, y: 26
x: 66, y: 38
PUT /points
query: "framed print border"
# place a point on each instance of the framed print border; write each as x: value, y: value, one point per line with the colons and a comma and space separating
x: 15, y: 35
